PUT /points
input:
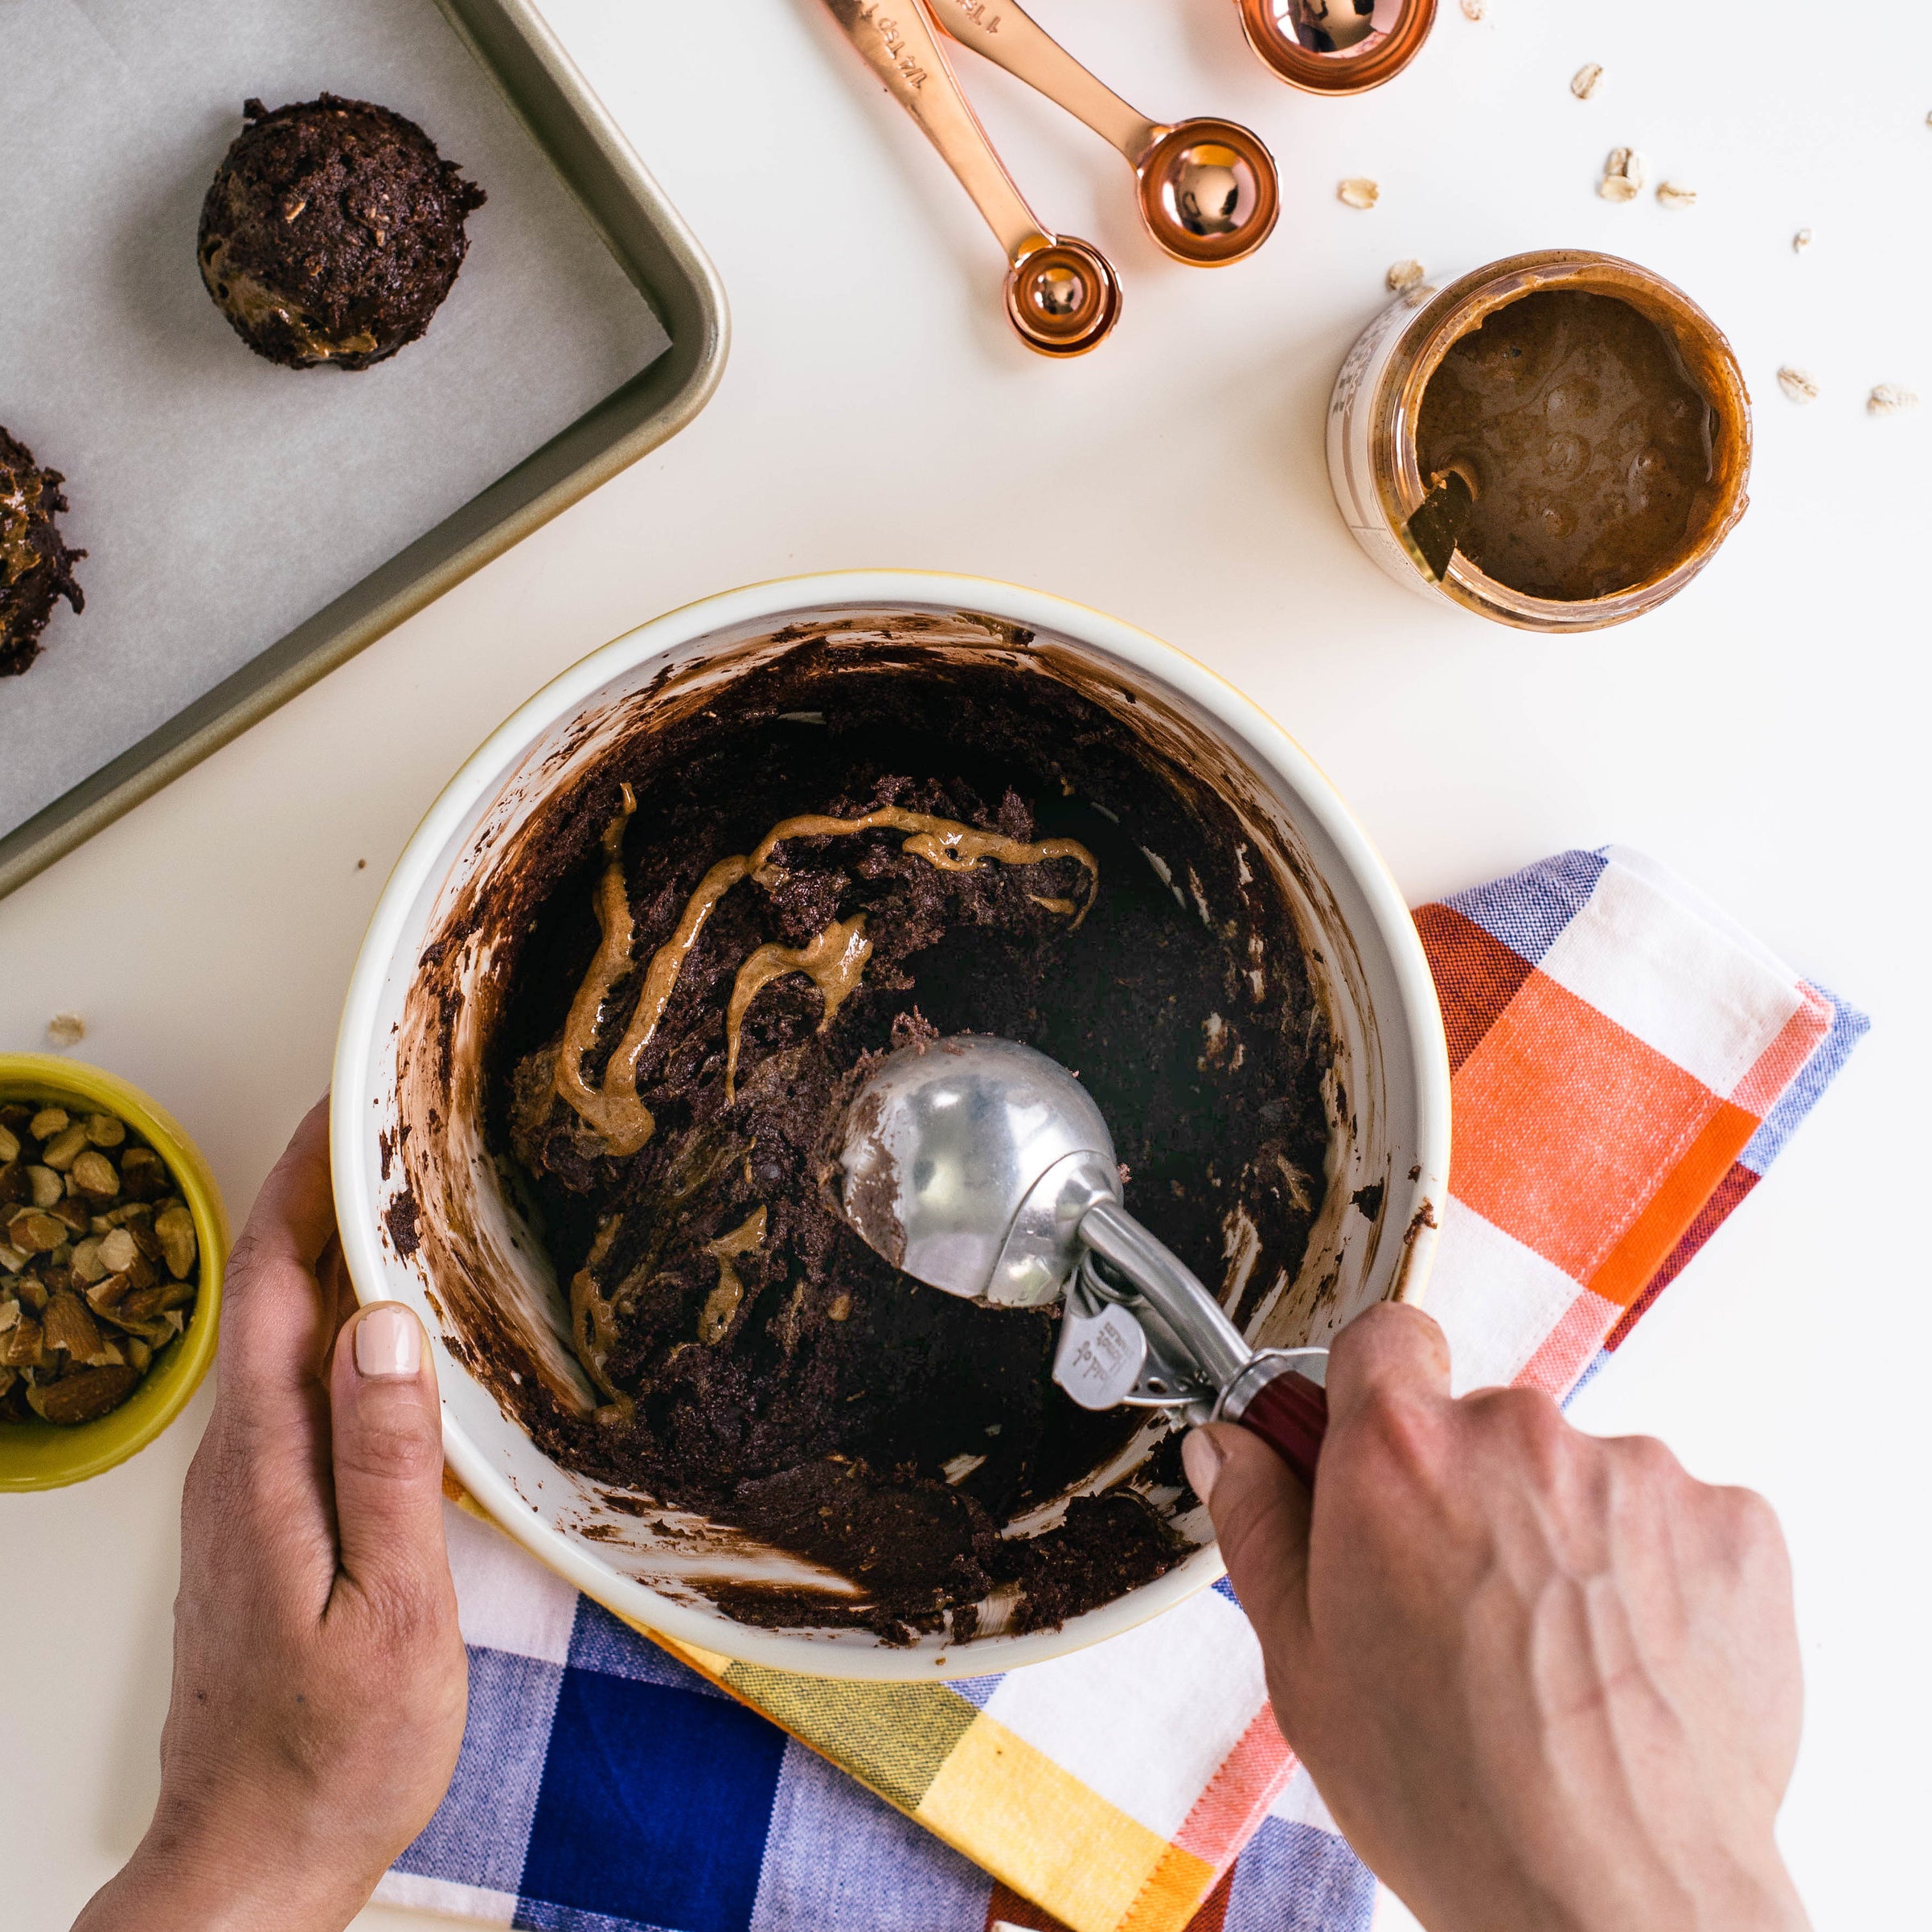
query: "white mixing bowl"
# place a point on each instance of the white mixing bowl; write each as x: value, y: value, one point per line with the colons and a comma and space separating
x: 425, y: 1218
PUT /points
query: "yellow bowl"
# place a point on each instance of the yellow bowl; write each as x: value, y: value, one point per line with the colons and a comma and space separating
x: 39, y: 1455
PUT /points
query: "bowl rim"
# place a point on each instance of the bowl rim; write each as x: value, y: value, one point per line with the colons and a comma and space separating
x: 33, y: 1076
x: 357, y: 1209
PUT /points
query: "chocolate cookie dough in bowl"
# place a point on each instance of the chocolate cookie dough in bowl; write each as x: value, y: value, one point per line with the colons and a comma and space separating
x: 599, y: 1039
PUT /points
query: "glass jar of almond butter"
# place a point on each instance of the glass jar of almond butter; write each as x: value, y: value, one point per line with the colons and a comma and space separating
x: 1558, y: 442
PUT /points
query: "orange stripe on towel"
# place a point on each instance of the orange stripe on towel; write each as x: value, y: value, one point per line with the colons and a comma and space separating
x: 1696, y: 1174
x: 1179, y: 1888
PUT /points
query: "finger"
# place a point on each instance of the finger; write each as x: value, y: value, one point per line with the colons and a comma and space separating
x: 272, y: 1325
x: 1390, y: 1348
x: 338, y: 1290
x: 1262, y: 1513
x: 388, y: 1460
x: 293, y: 1217
x: 265, y: 1463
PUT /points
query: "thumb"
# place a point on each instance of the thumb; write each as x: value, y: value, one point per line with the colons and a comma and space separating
x: 1261, y: 1513
x: 388, y: 1443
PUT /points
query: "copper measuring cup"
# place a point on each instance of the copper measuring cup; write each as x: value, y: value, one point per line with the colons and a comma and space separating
x: 1337, y: 46
x: 1062, y: 295
x: 1207, y: 189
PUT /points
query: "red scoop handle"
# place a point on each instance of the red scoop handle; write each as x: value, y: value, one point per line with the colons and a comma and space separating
x: 1290, y: 1415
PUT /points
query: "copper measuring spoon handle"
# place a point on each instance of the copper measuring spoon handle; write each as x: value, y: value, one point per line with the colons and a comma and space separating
x: 1062, y: 296
x: 1015, y: 41
x: 1165, y: 158
x: 900, y: 49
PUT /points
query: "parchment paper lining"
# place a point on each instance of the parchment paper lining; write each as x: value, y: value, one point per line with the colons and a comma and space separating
x: 223, y: 500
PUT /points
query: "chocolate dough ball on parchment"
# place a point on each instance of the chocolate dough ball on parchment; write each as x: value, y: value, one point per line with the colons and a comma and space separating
x: 332, y: 231
x: 36, y: 567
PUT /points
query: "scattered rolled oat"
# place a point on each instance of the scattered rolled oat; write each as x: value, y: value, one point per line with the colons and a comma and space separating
x: 1799, y: 385
x: 1623, y: 175
x: 1404, y: 275
x: 1475, y: 10
x: 66, y: 1029
x: 1801, y: 241
x: 1891, y: 399
x: 1674, y: 194
x: 1359, y: 192
x: 1586, y: 79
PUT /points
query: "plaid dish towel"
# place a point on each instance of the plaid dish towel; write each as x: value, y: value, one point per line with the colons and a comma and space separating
x: 1626, y: 1062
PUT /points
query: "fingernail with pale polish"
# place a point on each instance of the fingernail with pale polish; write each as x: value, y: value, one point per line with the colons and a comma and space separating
x: 1202, y: 1457
x: 388, y: 1345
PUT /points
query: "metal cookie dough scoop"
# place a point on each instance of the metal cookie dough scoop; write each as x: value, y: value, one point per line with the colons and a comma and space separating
x: 980, y: 1167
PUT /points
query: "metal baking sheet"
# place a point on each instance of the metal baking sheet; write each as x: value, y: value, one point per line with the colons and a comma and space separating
x: 248, y: 527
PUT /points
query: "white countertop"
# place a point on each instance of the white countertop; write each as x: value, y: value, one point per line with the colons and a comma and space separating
x: 1762, y: 734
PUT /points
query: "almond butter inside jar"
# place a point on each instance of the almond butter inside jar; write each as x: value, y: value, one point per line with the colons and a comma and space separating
x: 1559, y: 441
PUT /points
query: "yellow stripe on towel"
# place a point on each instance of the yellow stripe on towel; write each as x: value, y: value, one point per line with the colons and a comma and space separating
x: 1011, y: 1808
x: 898, y: 1738
x: 983, y: 1789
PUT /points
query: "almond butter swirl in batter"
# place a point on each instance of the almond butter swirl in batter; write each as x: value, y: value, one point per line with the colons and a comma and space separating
x: 945, y: 842
x: 593, y: 1314
x: 615, y: 1111
x: 834, y: 961
x: 722, y: 1304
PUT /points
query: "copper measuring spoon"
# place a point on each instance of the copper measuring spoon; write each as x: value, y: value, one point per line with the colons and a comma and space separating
x: 1062, y: 295
x: 1207, y: 189
x: 1337, y: 46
